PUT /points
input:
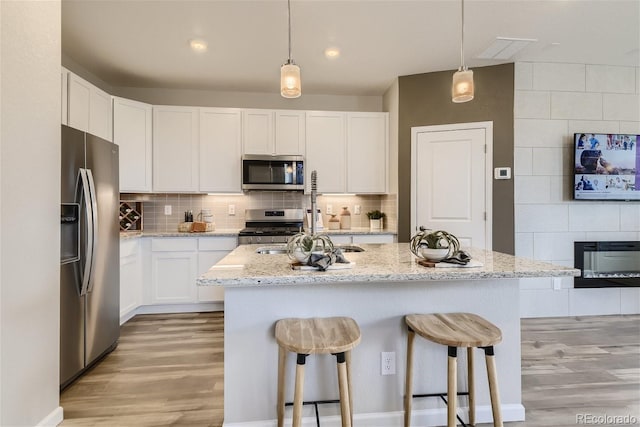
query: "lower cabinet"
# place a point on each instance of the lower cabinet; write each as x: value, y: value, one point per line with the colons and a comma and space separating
x: 174, y: 268
x: 210, y: 251
x: 130, y: 278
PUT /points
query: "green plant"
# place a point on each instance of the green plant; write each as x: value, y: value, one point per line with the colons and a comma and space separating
x: 438, y: 239
x: 376, y: 214
x: 301, y: 245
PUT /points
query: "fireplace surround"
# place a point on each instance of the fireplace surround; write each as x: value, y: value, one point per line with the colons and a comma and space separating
x: 607, y: 264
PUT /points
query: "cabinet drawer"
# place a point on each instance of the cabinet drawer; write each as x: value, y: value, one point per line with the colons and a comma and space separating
x: 178, y: 244
x: 217, y: 243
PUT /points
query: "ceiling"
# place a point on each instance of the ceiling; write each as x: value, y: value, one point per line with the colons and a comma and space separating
x: 146, y: 43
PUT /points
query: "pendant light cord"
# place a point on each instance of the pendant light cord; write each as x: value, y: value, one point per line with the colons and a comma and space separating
x: 289, y: 17
x: 461, y: 40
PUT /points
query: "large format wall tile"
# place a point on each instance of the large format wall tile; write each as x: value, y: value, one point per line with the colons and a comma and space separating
x: 532, y: 105
x: 611, y: 79
x: 576, y: 105
x: 560, y: 77
x: 540, y: 133
x: 547, y: 218
x: 621, y: 107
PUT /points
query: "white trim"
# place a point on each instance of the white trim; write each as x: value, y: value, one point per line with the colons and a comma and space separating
x: 53, y: 419
x: 488, y: 128
x: 178, y: 308
x: 423, y: 418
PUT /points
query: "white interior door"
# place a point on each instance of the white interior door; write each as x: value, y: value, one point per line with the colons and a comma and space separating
x: 451, y: 181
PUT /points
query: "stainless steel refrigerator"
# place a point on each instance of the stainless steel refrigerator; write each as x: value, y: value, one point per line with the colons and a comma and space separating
x: 90, y: 252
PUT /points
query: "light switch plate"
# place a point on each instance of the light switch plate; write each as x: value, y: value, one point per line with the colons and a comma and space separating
x: 502, y: 173
x: 167, y: 209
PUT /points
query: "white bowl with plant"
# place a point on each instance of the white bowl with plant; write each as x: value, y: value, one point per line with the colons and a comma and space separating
x: 300, y: 246
x: 434, y: 245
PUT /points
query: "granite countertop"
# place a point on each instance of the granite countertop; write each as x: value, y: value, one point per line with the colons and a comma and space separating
x: 389, y: 262
x: 358, y: 230
x: 231, y: 232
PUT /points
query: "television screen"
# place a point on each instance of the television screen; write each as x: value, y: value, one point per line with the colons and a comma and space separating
x: 606, y: 167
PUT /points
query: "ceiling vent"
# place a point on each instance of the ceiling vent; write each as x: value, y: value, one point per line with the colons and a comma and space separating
x: 505, y: 48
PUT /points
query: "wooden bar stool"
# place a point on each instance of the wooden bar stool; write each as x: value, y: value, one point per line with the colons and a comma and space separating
x: 455, y: 330
x: 330, y: 335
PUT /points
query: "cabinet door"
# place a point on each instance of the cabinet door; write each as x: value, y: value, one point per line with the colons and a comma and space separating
x: 257, y: 132
x: 100, y: 113
x: 130, y: 278
x: 175, y: 149
x: 326, y: 150
x: 220, y: 150
x: 79, y: 95
x: 132, y: 132
x: 64, y: 86
x: 206, y: 259
x: 173, y: 277
x: 367, y: 152
x: 289, y: 132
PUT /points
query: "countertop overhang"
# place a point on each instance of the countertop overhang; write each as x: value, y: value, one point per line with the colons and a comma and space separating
x: 389, y: 262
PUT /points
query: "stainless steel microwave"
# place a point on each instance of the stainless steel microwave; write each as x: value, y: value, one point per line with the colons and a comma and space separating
x: 272, y: 172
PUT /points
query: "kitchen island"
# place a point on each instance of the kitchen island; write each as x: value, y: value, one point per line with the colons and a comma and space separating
x: 383, y: 285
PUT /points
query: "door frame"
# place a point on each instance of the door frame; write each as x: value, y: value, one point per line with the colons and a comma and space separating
x: 488, y: 183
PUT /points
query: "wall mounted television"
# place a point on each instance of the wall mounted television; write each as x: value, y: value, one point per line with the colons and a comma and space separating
x: 606, y: 166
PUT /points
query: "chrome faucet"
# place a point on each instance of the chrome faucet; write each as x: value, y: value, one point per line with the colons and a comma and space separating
x: 314, y: 195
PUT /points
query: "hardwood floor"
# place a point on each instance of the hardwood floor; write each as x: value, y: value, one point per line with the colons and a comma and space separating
x: 168, y: 370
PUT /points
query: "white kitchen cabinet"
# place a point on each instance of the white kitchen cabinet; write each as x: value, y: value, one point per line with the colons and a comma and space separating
x: 326, y: 150
x: 132, y: 132
x: 130, y: 278
x: 174, y: 268
x: 270, y: 132
x: 175, y: 149
x: 367, y: 153
x: 210, y: 251
x: 220, y: 150
x: 64, y: 86
x: 88, y: 108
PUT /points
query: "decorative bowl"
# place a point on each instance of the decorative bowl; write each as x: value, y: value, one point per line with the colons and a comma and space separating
x: 434, y: 254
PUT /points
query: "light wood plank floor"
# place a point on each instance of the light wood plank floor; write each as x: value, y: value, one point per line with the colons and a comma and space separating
x: 168, y: 370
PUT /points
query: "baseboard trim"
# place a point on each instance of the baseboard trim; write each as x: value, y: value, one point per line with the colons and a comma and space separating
x: 53, y: 419
x: 423, y: 418
x: 179, y: 308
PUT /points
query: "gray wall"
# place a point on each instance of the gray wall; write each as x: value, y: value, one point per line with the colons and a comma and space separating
x: 425, y: 99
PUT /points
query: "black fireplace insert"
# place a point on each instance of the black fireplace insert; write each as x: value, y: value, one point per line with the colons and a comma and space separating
x: 607, y: 264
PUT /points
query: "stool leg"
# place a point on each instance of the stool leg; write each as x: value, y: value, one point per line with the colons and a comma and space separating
x: 348, y: 357
x: 408, y: 391
x: 452, y: 383
x: 282, y: 361
x: 297, y: 397
x: 493, y: 386
x: 472, y: 391
x: 343, y: 387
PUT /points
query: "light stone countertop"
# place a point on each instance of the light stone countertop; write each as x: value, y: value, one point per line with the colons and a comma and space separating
x: 230, y: 232
x: 358, y: 230
x: 389, y: 262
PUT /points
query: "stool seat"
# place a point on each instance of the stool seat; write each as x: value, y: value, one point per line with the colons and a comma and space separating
x: 318, y: 335
x: 455, y: 329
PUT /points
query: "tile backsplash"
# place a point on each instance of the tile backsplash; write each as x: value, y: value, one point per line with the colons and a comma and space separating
x: 155, y: 220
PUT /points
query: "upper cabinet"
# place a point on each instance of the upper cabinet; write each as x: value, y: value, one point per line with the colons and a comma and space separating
x: 175, y: 149
x: 367, y: 153
x: 88, y: 107
x: 272, y: 132
x: 220, y: 150
x: 326, y: 150
x: 132, y: 131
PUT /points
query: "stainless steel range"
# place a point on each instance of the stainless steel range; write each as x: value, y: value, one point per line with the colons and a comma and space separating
x: 270, y: 225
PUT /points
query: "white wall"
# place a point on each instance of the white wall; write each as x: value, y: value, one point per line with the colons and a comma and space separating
x: 391, y: 104
x: 552, y: 101
x: 29, y: 210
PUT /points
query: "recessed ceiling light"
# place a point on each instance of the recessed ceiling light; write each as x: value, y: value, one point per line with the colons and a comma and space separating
x: 198, y: 45
x: 332, y: 52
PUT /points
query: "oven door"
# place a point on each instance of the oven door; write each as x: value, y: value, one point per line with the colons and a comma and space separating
x: 272, y: 173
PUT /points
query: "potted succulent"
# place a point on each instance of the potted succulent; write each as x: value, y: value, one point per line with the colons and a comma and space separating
x: 434, y: 245
x: 376, y: 219
x: 300, y: 246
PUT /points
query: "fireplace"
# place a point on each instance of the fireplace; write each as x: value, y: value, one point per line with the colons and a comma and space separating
x: 607, y: 264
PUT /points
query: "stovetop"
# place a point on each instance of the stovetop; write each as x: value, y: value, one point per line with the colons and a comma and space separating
x: 287, y: 230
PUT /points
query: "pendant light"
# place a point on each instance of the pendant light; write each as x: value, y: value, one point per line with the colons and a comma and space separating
x: 462, y: 86
x: 290, y: 85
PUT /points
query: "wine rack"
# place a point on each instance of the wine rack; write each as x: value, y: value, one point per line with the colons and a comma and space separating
x: 130, y: 216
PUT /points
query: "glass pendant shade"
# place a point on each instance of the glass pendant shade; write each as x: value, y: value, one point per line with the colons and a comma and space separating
x: 290, y: 83
x: 462, y: 86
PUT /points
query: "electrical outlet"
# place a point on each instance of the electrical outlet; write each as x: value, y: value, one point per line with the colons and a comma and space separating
x: 388, y: 363
x: 232, y: 209
x: 329, y: 209
x: 557, y: 284
x: 357, y: 210
x: 167, y: 209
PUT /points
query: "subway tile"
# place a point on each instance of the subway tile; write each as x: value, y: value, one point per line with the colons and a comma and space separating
x: 629, y: 300
x: 594, y: 301
x: 524, y: 245
x: 523, y: 75
x: 630, y: 127
x: 630, y: 217
x: 532, y: 189
x: 576, y: 105
x: 548, y: 161
x: 544, y: 303
x: 593, y: 126
x: 586, y: 216
x: 540, y: 133
x: 555, y: 246
x: 561, y: 77
x: 541, y: 218
x: 621, y: 107
x: 532, y: 105
x: 610, y: 79
x: 523, y: 161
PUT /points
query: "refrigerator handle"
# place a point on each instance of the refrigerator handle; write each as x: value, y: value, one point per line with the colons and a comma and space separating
x: 94, y: 228
x: 83, y: 182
